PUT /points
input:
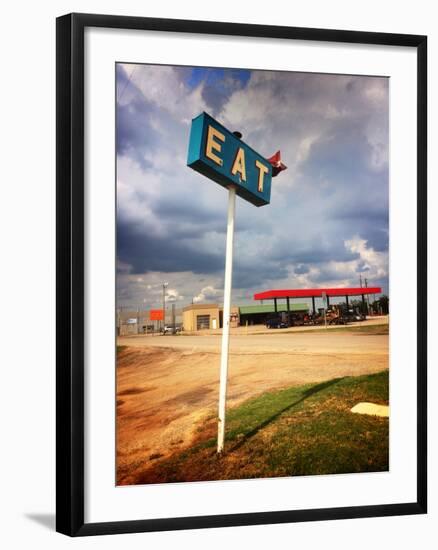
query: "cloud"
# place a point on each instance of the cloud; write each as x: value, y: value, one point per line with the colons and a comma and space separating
x: 172, y: 295
x: 375, y: 261
x: 207, y: 294
x: 328, y: 217
x: 145, y: 252
x: 301, y: 269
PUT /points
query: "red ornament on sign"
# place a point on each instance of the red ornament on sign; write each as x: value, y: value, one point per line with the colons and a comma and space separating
x: 277, y: 165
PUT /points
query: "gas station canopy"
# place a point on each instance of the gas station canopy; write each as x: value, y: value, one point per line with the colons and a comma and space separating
x: 316, y: 292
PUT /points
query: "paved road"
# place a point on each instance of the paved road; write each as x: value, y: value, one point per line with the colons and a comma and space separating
x: 298, y: 342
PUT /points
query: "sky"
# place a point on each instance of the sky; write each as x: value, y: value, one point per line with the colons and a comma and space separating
x: 327, y: 222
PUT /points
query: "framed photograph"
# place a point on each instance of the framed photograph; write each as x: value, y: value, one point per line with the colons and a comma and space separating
x: 241, y: 274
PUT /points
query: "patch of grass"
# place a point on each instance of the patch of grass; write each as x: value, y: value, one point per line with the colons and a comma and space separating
x: 121, y: 348
x: 356, y: 329
x: 304, y: 430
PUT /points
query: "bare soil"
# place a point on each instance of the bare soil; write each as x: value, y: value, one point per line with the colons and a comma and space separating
x: 167, y: 386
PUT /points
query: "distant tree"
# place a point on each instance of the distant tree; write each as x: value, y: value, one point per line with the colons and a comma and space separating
x: 360, y: 305
x: 383, y: 302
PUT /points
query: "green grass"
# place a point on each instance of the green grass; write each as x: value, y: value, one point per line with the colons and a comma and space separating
x: 356, y: 329
x: 121, y: 348
x: 365, y: 330
x: 305, y: 430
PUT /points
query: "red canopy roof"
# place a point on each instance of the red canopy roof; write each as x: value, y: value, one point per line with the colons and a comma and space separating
x: 316, y: 292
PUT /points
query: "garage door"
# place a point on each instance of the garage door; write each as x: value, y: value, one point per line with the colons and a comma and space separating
x: 202, y: 322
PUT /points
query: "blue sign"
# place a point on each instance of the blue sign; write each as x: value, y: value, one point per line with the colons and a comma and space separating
x: 221, y: 156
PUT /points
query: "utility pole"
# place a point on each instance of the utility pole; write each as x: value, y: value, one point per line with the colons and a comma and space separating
x: 364, y: 307
x: 164, y: 305
x: 368, y: 297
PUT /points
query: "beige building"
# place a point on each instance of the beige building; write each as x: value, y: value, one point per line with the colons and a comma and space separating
x: 207, y: 316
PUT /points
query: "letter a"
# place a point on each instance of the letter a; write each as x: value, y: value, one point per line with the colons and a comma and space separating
x: 239, y: 164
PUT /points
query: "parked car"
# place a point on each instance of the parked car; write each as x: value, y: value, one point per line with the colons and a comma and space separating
x: 276, y: 322
x: 168, y: 329
x: 353, y: 314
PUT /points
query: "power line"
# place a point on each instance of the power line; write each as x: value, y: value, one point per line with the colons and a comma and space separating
x: 126, y: 83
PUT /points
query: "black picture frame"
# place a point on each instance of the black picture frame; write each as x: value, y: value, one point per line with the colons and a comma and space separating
x: 70, y: 273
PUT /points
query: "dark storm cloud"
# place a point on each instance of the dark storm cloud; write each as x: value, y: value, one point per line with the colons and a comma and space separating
x: 361, y: 267
x: 314, y: 254
x: 340, y: 156
x: 332, y: 131
x: 329, y: 274
x: 218, y: 89
x: 135, y: 134
x: 186, y: 218
x: 256, y: 274
x: 301, y: 269
x: 217, y: 84
x: 146, y: 252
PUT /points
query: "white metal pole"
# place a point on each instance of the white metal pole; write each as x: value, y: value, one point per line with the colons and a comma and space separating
x: 226, y: 319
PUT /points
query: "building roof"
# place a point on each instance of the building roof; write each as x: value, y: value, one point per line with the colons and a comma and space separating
x: 269, y: 308
x: 316, y: 292
x: 200, y: 306
x: 192, y: 307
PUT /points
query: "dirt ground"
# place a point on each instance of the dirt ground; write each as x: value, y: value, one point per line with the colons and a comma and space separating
x: 167, y: 386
